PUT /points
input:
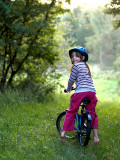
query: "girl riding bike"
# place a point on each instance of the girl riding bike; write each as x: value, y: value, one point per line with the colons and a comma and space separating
x: 81, y: 75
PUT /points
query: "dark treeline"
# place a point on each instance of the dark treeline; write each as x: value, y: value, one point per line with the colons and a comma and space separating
x: 27, y: 43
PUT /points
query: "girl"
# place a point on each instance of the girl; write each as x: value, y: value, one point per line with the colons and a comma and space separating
x: 81, y: 75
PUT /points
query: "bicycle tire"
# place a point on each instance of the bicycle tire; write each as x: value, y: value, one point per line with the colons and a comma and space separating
x: 85, y: 131
x: 59, y: 121
x: 59, y: 125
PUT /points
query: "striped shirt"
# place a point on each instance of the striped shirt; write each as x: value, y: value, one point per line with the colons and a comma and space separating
x: 80, y: 75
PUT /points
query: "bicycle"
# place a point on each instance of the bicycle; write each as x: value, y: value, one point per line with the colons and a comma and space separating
x: 82, y: 124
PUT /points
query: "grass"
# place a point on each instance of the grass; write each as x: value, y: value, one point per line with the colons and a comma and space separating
x: 28, y: 127
x: 28, y: 131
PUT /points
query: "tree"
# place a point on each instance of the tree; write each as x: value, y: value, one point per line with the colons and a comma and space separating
x: 93, y: 30
x: 27, y: 41
x: 103, y: 44
x: 114, y: 9
x: 74, y: 26
x: 81, y: 26
x: 77, y: 26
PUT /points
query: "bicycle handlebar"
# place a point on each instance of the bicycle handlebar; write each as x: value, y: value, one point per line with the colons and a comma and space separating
x: 65, y: 91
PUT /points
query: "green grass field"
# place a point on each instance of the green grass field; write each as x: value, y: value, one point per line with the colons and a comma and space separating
x: 28, y: 128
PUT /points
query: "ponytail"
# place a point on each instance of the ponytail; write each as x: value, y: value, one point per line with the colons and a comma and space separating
x: 88, y: 69
x: 70, y: 69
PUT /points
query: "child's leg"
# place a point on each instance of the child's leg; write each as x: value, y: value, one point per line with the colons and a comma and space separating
x: 94, y: 123
x: 95, y: 136
x: 68, y: 125
x: 95, y: 130
x: 70, y: 115
x: 62, y: 135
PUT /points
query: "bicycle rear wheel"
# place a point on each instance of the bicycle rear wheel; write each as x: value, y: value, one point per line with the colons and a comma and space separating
x: 85, y: 131
x: 59, y: 125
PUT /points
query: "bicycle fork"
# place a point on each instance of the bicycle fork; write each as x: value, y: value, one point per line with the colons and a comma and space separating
x: 79, y: 131
x: 78, y: 122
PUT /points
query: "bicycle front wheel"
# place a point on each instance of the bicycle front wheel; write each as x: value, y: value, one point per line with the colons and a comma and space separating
x: 59, y: 125
x: 85, y: 131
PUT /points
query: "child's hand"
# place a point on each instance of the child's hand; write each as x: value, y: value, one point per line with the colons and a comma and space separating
x: 65, y: 90
x: 73, y: 88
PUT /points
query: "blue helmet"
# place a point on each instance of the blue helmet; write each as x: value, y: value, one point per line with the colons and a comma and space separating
x: 80, y: 50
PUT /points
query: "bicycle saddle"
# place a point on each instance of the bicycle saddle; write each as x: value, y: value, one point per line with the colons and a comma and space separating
x: 86, y: 100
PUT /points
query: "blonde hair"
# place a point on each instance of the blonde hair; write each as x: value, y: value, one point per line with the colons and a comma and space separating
x: 89, y: 72
x: 70, y: 69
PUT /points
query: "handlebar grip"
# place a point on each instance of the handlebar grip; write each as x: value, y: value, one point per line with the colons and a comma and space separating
x: 65, y: 90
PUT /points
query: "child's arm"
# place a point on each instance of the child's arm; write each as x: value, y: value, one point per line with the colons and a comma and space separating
x: 73, y: 77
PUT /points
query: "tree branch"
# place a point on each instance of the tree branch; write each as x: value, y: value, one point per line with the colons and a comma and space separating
x: 18, y: 68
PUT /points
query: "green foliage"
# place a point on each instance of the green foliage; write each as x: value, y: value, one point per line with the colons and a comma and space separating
x: 64, y: 45
x: 74, y: 28
x: 27, y: 40
x: 93, y: 30
x: 39, y: 88
x: 114, y: 9
x: 78, y: 26
x: 103, y: 44
x: 117, y: 69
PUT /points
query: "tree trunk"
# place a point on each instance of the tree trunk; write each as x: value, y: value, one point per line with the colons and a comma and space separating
x: 101, y: 61
x: 2, y: 84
